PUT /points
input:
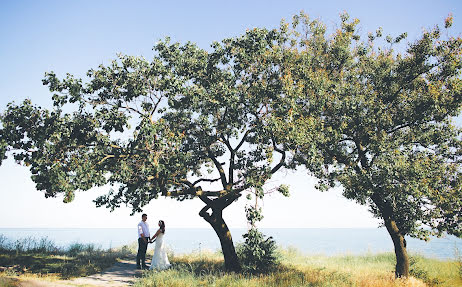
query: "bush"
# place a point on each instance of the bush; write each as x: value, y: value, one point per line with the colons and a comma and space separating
x: 75, y: 248
x: 257, y: 254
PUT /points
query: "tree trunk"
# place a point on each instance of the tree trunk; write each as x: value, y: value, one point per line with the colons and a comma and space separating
x: 227, y: 246
x: 402, y: 259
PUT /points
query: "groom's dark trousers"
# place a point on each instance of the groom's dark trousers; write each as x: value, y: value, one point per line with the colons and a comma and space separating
x: 141, y: 256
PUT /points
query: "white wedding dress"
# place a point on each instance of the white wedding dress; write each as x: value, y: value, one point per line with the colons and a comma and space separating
x: 160, y: 259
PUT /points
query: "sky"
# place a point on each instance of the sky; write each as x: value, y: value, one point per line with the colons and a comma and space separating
x: 74, y: 36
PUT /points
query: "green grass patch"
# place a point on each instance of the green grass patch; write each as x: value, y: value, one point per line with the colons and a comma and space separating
x: 41, y: 257
x: 61, y: 265
x: 297, y: 269
x: 435, y: 272
x: 8, y: 282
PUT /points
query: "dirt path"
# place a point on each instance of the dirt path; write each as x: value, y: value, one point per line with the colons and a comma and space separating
x: 123, y: 273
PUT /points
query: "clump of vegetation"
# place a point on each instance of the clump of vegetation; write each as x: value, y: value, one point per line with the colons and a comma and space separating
x: 257, y: 253
x: 28, y: 245
x: 8, y: 282
x: 44, y: 257
x: 417, y: 271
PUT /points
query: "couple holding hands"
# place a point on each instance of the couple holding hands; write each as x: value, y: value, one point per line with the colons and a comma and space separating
x: 159, y: 259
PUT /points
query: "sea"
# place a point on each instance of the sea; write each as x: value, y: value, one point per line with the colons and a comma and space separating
x: 310, y: 241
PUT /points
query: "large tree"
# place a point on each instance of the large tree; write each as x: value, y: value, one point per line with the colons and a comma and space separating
x: 190, y: 123
x: 384, y: 129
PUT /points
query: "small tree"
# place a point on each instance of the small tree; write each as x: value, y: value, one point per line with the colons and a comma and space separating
x: 385, y: 131
x: 257, y: 253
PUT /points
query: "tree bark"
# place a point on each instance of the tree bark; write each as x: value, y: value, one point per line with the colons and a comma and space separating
x: 402, y: 259
x: 221, y: 229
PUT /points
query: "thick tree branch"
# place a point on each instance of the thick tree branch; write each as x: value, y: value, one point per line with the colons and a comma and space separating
x: 221, y: 119
x: 398, y: 128
x: 361, y: 154
x: 218, y: 166
x: 242, y: 140
x: 159, y: 99
x: 283, y: 158
x: 203, y: 213
x: 346, y: 139
x: 196, y: 191
x: 231, y: 163
x: 105, y: 158
x: 206, y: 200
x: 206, y: 180
x: 231, y: 199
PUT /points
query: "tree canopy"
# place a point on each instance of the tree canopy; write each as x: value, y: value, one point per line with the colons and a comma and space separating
x: 385, y: 132
x: 190, y: 123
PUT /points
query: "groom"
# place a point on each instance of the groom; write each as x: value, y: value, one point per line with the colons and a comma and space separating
x: 143, y: 237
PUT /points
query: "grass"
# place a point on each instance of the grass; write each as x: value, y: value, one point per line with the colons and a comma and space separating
x: 42, y: 258
x: 297, y: 269
x: 8, y: 282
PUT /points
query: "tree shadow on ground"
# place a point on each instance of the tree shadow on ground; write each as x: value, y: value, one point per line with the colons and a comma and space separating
x: 281, y: 275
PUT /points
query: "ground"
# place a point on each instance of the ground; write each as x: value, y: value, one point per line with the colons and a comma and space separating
x: 123, y: 273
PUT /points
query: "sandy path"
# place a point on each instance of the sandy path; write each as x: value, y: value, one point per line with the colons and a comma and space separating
x: 123, y: 273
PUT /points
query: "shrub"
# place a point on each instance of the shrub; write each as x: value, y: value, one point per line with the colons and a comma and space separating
x: 257, y: 254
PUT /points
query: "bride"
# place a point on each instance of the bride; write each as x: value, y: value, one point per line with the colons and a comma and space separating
x: 159, y: 259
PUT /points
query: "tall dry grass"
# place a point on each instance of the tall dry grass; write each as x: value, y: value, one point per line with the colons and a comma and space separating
x: 297, y: 269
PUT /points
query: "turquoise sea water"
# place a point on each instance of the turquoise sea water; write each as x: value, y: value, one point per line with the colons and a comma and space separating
x: 328, y: 241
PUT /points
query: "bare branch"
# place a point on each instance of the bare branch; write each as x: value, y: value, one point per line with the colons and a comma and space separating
x: 242, y: 140
x: 218, y: 166
x: 231, y: 161
x: 283, y: 158
x: 106, y: 157
x: 398, y: 128
x: 206, y: 180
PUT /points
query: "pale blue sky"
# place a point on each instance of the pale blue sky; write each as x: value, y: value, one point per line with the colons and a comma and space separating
x: 73, y: 36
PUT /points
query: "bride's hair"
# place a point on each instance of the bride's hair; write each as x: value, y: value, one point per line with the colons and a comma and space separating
x: 162, y: 226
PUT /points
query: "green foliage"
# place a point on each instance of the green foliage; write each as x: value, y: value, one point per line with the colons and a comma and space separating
x: 257, y: 253
x: 178, y: 125
x: 150, y: 127
x: 379, y: 122
x: 448, y: 21
x: 284, y: 190
x: 253, y: 214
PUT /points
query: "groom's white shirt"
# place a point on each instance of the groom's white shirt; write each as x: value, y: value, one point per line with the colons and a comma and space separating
x: 143, y: 228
